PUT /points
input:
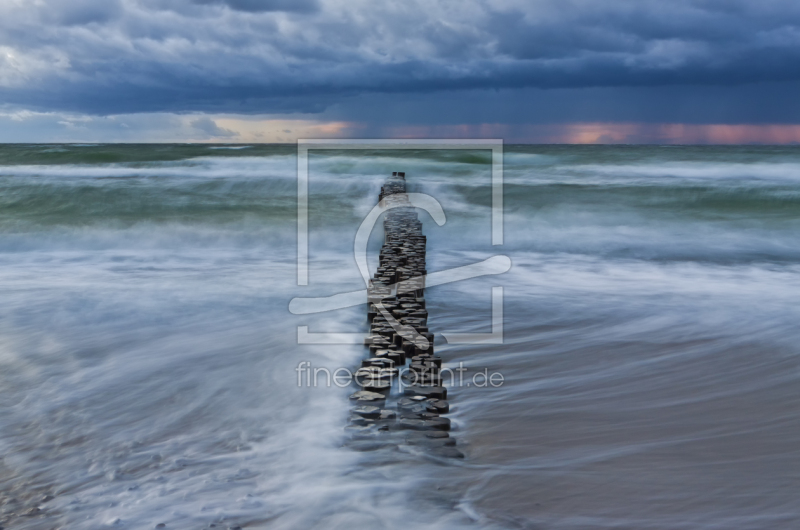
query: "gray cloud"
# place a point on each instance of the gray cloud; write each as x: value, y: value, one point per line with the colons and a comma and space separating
x: 82, y: 12
x: 209, y: 127
x: 282, y: 56
x: 257, y: 6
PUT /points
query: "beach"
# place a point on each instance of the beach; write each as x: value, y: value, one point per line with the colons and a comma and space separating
x: 650, y: 355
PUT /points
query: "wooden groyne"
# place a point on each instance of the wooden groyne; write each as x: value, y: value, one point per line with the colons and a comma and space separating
x: 399, y: 405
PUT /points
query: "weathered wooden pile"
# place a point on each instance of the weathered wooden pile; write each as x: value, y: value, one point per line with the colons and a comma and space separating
x: 399, y: 335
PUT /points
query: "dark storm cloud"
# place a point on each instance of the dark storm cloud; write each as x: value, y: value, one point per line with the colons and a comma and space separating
x: 280, y: 56
x: 749, y: 103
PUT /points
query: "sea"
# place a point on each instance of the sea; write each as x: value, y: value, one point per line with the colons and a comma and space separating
x: 649, y: 364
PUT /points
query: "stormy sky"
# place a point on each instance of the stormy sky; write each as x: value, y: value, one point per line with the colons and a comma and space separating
x: 684, y: 71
